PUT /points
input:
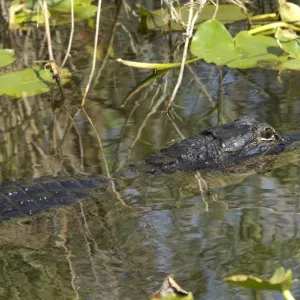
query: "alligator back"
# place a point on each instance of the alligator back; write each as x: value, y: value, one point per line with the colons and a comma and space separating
x: 238, y: 147
x: 30, y: 197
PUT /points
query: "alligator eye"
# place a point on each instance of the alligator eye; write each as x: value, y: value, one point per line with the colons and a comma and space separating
x: 268, y: 133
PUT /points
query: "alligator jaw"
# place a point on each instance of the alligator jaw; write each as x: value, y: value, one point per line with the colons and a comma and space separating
x: 244, y: 142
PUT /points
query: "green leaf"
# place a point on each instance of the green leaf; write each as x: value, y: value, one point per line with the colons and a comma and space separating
x: 27, y: 3
x: 284, y: 279
x: 144, y: 11
x: 291, y: 64
x: 152, y: 66
x: 174, y: 297
x: 290, y: 43
x: 29, y: 82
x: 253, y: 49
x: 65, y: 5
x: 170, y: 290
x: 213, y: 43
x: 280, y: 281
x: 159, y: 19
x: 59, y: 12
x: 7, y: 56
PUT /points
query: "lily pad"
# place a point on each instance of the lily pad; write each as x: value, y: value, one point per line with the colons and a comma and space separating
x: 159, y: 19
x: 29, y: 82
x: 59, y: 12
x: 291, y: 64
x: 7, y: 56
x: 253, y: 49
x: 289, y: 42
x: 214, y: 44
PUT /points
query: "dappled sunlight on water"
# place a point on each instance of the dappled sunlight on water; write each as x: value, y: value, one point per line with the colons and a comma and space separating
x: 99, y: 248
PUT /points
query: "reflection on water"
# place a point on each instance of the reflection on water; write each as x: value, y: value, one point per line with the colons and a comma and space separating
x: 99, y: 249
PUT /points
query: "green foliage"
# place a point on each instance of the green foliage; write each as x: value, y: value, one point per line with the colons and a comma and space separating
x: 59, y: 12
x: 154, y: 66
x: 253, y: 49
x: 29, y: 82
x: 176, y: 297
x: 289, y: 12
x: 213, y: 43
x: 170, y: 290
x: 281, y: 281
x: 7, y: 56
x: 289, y: 42
x: 160, y: 19
x: 293, y: 64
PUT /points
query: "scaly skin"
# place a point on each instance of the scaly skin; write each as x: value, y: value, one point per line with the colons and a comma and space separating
x: 240, y: 146
x: 220, y: 146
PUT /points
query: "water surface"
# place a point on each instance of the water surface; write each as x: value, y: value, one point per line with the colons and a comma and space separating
x: 100, y: 249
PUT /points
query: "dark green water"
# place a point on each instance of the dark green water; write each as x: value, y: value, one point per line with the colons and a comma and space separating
x: 99, y: 249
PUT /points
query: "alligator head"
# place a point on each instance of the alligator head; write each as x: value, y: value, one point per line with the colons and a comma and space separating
x: 240, y: 142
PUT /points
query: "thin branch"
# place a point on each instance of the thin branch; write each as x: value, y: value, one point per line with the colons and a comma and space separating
x: 108, y: 175
x: 202, y: 86
x: 47, y: 28
x: 52, y: 62
x: 189, y: 32
x: 110, y: 42
x: 200, y: 180
x: 71, y: 34
x: 149, y: 114
x: 217, y: 8
x: 95, y: 53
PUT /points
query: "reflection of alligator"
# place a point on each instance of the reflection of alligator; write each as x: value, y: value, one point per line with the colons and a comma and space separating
x: 244, y: 142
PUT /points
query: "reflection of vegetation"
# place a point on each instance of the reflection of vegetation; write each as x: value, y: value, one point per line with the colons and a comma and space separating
x: 123, y: 251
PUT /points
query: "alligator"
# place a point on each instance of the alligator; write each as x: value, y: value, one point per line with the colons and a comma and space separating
x: 240, y: 146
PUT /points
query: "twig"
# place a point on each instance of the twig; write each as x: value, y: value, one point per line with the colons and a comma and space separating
x: 273, y: 26
x: 149, y: 114
x: 71, y: 34
x: 52, y: 62
x: 176, y: 128
x: 105, y: 162
x: 202, y: 86
x: 200, y: 180
x: 217, y: 8
x: 47, y: 28
x: 244, y: 9
x: 95, y: 53
x: 189, y: 32
x: 143, y: 84
x: 110, y: 42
